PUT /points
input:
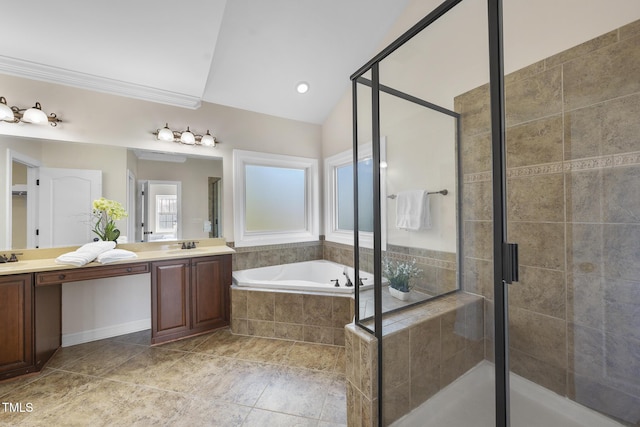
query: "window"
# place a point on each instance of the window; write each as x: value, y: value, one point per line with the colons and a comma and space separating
x: 166, y: 213
x: 338, y: 172
x: 275, y: 198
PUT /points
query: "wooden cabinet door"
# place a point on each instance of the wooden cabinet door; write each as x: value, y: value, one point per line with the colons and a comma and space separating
x: 16, y: 325
x: 210, y: 281
x: 170, y: 300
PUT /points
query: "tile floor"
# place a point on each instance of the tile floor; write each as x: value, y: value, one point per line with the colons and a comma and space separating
x: 218, y: 379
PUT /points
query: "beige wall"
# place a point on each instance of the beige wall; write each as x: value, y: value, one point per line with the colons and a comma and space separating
x: 193, y: 174
x: 100, y: 119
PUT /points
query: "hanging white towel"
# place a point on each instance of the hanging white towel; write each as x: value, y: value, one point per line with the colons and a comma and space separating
x: 412, y: 210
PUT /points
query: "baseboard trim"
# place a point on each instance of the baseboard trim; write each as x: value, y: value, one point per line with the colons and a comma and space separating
x: 106, y: 332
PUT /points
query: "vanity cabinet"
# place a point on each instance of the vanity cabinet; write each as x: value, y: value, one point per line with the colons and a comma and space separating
x: 16, y: 325
x: 189, y: 296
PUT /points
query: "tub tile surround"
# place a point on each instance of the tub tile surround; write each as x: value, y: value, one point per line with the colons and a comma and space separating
x: 290, y: 315
x: 268, y: 255
x: 573, y: 168
x: 438, y: 268
x: 283, y: 315
x: 424, y: 349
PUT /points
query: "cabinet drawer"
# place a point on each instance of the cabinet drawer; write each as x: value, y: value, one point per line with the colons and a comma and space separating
x: 89, y: 273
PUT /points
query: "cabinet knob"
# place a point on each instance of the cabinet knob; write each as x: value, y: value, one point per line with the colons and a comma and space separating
x: 61, y: 276
x: 129, y: 269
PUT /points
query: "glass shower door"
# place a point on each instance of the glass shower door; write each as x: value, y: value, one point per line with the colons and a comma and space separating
x: 550, y: 163
x: 573, y: 205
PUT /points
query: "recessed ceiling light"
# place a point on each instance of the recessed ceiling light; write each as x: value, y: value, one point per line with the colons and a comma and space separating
x: 302, y: 87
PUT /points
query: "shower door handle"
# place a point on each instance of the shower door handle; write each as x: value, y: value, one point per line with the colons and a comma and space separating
x: 510, y: 262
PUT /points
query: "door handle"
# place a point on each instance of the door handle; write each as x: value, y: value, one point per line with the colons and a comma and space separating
x: 510, y: 271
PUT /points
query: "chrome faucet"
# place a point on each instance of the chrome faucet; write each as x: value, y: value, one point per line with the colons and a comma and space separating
x: 346, y: 274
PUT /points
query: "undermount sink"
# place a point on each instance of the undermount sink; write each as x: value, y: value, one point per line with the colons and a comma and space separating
x: 8, y: 265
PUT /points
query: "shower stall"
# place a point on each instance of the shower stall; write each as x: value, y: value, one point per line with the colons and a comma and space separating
x: 525, y: 146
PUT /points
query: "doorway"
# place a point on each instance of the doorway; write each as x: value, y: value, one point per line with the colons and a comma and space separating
x: 161, y: 210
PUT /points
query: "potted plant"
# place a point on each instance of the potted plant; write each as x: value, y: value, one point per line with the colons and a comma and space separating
x: 106, y: 212
x: 399, y: 275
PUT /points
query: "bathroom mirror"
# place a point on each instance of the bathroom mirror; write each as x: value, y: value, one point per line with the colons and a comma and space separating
x: 123, y: 172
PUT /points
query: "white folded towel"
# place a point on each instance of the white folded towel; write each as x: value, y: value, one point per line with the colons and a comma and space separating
x: 114, y: 255
x: 412, y: 210
x: 75, y: 258
x: 85, y: 253
x: 97, y: 247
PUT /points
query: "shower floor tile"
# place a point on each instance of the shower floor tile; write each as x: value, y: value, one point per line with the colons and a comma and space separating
x: 469, y: 401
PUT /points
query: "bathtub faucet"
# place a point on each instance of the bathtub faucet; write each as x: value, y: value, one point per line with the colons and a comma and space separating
x: 346, y: 274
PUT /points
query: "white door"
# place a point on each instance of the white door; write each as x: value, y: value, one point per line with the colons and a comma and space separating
x: 66, y: 202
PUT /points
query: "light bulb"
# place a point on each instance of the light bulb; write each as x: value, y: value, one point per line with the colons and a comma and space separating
x: 35, y: 115
x: 165, y: 134
x: 208, y: 140
x: 187, y: 137
x: 6, y: 113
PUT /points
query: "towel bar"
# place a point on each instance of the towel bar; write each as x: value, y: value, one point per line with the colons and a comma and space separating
x: 443, y: 192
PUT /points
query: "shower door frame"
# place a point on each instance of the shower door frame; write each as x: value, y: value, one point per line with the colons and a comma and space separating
x: 504, y: 254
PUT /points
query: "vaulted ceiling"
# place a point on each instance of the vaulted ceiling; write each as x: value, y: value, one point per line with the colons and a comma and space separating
x: 250, y: 54
x: 247, y: 54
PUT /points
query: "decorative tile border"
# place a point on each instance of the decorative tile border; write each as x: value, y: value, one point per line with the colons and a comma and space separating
x: 601, y: 162
x: 470, y: 178
x: 588, y: 164
x: 544, y: 169
x: 626, y: 159
x: 431, y: 262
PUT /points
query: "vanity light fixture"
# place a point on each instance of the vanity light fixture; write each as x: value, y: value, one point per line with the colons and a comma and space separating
x: 185, y: 137
x: 33, y: 115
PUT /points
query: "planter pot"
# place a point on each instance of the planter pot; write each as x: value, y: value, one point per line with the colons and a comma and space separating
x: 403, y: 296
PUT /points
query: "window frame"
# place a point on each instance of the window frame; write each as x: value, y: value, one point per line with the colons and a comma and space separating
x: 242, y: 237
x: 332, y: 232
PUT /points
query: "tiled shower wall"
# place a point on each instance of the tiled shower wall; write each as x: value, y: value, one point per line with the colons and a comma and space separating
x: 573, y: 189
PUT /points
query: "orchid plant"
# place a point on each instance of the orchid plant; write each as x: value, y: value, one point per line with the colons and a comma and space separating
x: 105, y: 213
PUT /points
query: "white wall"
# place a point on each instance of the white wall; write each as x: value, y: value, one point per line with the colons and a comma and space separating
x: 103, y: 308
x: 420, y: 156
